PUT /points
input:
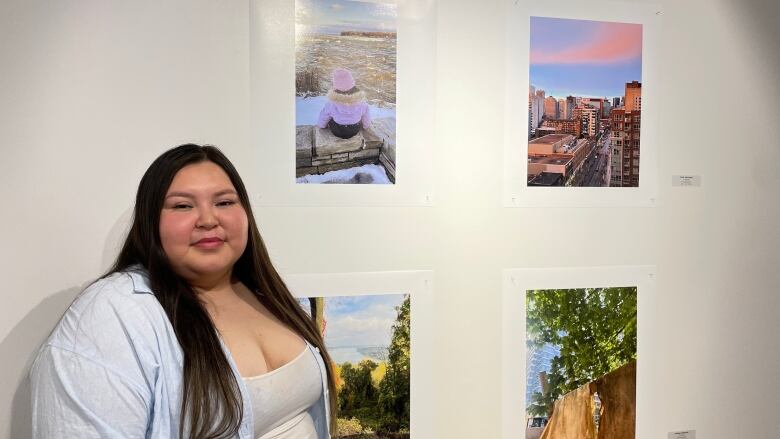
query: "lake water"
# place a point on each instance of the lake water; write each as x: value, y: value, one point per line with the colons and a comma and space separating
x: 355, y: 354
x: 372, y: 62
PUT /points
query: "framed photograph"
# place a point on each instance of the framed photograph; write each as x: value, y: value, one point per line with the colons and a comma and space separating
x: 378, y: 332
x: 340, y: 101
x: 345, y: 91
x: 582, y: 107
x: 572, y: 339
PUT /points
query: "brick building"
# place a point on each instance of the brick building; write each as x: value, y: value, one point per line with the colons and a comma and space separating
x: 624, y: 141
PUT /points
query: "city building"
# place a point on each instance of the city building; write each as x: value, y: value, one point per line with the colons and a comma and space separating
x: 604, y: 124
x: 564, y: 126
x: 535, y: 109
x: 561, y: 154
x: 633, y: 96
x: 562, y: 111
x: 546, y: 179
x: 588, y: 120
x: 560, y: 164
x: 551, y: 108
x: 596, y: 103
x: 545, y: 130
x: 531, y: 95
x: 624, y: 144
x: 549, y: 144
x: 571, y: 104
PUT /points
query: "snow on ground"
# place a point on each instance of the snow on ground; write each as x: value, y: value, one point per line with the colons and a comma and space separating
x: 373, y: 174
x: 307, y: 110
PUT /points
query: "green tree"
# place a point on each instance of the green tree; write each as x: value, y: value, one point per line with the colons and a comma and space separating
x: 358, y: 396
x: 595, y: 329
x: 394, y: 391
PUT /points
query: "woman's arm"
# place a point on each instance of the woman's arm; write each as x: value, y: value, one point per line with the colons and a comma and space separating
x: 325, y: 115
x: 96, y: 375
x: 75, y: 396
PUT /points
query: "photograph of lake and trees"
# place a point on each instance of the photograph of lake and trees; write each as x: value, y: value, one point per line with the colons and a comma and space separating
x: 584, y: 103
x: 581, y: 351
x: 345, y: 91
x: 368, y: 338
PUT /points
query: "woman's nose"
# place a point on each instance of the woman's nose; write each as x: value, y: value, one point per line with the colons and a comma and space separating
x: 206, y: 219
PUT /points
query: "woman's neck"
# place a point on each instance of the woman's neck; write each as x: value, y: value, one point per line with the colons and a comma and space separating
x: 224, y: 297
x: 212, y: 284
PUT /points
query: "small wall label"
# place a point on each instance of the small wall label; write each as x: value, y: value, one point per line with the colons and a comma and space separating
x: 688, y: 434
x: 686, y: 180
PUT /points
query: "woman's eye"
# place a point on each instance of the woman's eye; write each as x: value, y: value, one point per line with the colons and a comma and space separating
x: 226, y: 203
x: 181, y: 206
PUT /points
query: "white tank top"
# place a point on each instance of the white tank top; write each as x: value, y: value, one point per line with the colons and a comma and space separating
x: 281, y: 399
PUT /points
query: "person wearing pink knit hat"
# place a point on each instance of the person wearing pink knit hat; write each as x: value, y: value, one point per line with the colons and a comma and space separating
x: 346, y: 110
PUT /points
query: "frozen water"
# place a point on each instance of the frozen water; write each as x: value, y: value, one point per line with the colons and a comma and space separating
x: 372, y: 62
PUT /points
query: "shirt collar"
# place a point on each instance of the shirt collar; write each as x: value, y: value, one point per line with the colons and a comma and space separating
x: 140, y: 279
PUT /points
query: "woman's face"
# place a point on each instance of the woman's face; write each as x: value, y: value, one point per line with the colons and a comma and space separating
x: 203, y: 226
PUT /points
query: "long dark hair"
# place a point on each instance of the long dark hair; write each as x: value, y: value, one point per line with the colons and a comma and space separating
x: 211, y: 401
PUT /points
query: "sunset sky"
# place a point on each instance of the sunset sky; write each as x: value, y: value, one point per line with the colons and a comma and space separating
x: 584, y: 58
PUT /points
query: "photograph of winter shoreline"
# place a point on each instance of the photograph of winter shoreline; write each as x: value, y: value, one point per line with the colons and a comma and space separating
x: 345, y: 75
x: 369, y: 341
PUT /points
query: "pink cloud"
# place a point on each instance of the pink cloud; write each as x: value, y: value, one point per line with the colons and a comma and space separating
x: 610, y: 43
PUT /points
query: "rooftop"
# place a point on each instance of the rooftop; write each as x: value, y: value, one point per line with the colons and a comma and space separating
x: 551, y: 159
x: 572, y: 148
x: 547, y: 179
x: 550, y: 138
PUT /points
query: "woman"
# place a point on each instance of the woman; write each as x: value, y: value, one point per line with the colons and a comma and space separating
x: 192, y: 333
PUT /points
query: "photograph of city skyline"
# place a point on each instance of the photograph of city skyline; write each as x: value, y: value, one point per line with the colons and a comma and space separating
x: 584, y: 103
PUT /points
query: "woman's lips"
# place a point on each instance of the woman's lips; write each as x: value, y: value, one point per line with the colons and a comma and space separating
x: 209, y: 243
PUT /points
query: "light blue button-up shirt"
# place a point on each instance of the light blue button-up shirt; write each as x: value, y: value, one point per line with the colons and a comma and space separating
x: 113, y: 368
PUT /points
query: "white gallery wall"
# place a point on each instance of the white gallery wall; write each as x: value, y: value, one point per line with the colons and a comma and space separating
x: 92, y: 91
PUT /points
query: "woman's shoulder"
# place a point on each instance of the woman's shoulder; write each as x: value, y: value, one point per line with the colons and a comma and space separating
x: 126, y: 291
x: 118, y: 306
x: 112, y: 338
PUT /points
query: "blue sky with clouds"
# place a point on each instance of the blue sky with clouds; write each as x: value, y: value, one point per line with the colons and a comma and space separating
x: 332, y: 17
x: 584, y: 58
x: 360, y: 320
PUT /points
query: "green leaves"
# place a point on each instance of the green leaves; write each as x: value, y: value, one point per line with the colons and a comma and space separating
x: 394, y: 393
x: 385, y: 407
x: 595, y: 329
x: 358, y: 390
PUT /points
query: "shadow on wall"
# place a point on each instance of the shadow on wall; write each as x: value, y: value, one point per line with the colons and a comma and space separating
x: 757, y: 25
x: 18, y: 351
x: 115, y: 239
x: 759, y: 18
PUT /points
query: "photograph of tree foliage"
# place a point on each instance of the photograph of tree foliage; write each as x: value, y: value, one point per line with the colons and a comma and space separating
x: 586, y: 333
x: 368, y: 339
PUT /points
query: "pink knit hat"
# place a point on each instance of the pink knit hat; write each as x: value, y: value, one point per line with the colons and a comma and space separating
x: 342, y: 80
